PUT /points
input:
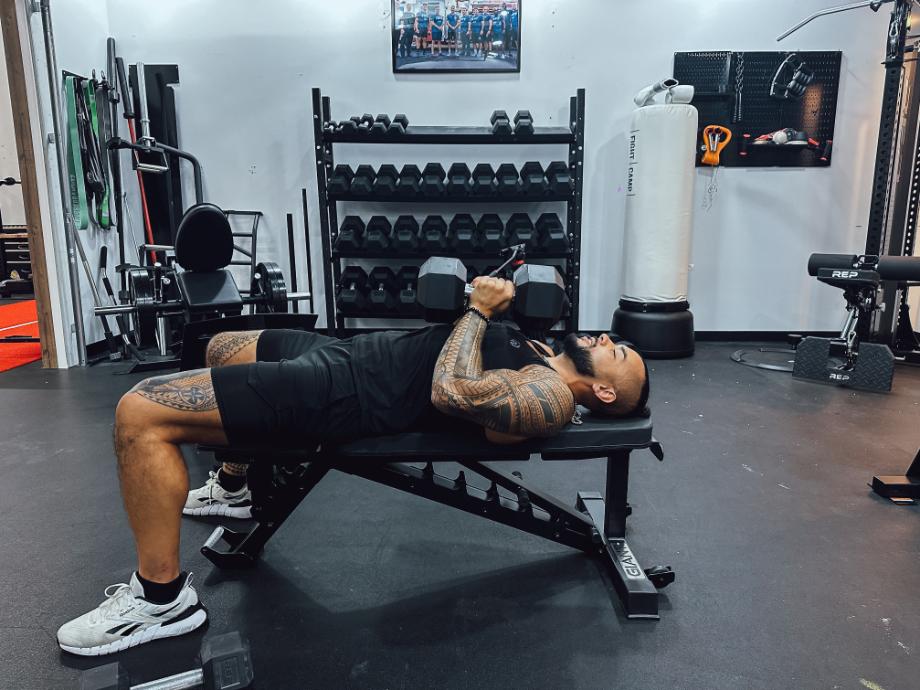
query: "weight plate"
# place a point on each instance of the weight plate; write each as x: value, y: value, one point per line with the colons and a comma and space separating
x: 140, y: 288
x: 268, y: 289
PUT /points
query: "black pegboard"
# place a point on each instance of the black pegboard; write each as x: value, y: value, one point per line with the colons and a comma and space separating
x: 714, y: 75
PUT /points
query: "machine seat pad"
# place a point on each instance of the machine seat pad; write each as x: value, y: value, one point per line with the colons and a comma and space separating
x: 209, y: 291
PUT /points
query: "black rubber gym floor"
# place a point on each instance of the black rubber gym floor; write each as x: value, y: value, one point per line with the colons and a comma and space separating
x: 790, y: 572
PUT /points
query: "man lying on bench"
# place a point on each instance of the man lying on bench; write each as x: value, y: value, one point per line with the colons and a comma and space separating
x: 295, y: 389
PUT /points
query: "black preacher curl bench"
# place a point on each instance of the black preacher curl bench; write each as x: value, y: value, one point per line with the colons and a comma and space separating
x: 280, y: 479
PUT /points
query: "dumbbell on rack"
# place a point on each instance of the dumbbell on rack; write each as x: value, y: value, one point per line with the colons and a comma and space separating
x: 340, y: 180
x: 362, y: 183
x: 377, y: 234
x: 351, y: 235
x: 405, y: 237
x: 533, y: 179
x: 407, y: 279
x: 382, y: 297
x: 464, y: 236
x: 539, y: 299
x: 226, y: 664
x: 352, y: 292
x: 558, y: 178
x: 523, y: 123
x: 501, y: 124
x: 551, y: 234
x: 434, y: 234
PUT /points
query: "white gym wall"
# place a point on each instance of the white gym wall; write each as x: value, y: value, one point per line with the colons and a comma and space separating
x: 246, y: 70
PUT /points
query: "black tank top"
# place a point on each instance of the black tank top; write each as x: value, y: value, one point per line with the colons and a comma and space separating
x: 393, y: 372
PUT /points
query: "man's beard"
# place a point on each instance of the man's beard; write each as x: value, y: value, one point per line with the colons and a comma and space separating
x: 579, y: 354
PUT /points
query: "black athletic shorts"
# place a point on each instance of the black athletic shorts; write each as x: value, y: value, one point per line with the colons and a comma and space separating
x: 299, y: 392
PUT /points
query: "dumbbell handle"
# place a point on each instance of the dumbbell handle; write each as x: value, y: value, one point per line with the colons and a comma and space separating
x: 180, y: 681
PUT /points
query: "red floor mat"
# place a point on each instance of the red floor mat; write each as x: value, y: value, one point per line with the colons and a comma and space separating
x: 18, y: 319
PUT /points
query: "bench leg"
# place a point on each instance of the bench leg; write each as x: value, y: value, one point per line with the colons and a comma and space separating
x: 276, y: 492
x: 900, y: 488
x: 636, y: 591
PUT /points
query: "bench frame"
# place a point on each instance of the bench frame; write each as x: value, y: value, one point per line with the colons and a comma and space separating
x: 280, y: 480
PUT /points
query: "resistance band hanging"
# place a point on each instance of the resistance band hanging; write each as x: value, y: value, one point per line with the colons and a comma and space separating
x: 86, y: 164
x: 75, y: 157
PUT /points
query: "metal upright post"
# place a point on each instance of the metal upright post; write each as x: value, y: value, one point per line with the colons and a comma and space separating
x: 320, y: 151
x: 574, y: 206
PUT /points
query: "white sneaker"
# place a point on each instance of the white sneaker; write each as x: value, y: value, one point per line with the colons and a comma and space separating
x: 125, y: 619
x: 212, y: 499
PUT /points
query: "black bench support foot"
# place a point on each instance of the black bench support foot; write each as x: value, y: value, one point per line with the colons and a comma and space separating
x: 276, y: 492
x: 636, y: 591
x: 900, y: 488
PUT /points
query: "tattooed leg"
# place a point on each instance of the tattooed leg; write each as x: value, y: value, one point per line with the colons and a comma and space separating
x: 151, y: 421
x: 232, y: 347
x: 224, y: 349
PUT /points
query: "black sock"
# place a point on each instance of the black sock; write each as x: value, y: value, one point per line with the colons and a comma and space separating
x: 230, y: 482
x: 162, y: 592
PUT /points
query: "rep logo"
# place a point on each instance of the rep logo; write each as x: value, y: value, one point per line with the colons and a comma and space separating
x: 844, y: 274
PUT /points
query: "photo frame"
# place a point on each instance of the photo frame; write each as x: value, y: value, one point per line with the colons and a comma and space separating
x: 456, y: 36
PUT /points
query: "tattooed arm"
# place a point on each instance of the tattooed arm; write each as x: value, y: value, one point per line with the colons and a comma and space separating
x: 511, y: 405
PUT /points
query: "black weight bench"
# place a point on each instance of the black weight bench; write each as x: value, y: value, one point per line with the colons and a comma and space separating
x: 280, y: 479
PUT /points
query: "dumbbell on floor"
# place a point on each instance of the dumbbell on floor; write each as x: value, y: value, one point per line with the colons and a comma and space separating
x: 226, y: 664
x: 539, y: 299
x: 382, y: 297
x: 352, y: 293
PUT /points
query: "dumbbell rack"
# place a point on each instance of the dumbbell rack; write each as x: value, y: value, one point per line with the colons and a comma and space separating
x: 573, y: 136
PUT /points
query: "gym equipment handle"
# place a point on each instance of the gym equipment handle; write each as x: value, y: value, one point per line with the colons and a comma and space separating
x: 180, y: 681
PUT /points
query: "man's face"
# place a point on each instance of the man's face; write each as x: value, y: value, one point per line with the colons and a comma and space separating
x: 598, y: 357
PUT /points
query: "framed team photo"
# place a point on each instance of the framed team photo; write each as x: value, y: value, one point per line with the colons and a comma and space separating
x: 456, y: 36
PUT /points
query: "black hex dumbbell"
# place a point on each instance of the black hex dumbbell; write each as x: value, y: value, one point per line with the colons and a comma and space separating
x: 398, y: 126
x: 351, y: 235
x: 433, y: 180
x: 349, y: 126
x: 380, y: 126
x: 352, y: 292
x: 458, y: 180
x: 408, y: 291
x: 539, y: 298
x: 492, y: 229
x: 386, y: 181
x: 340, y: 180
x: 363, y: 182
x: 551, y: 234
x: 464, y: 236
x: 226, y: 663
x: 382, y: 297
x: 520, y: 230
x: 533, y: 179
x: 558, y: 178
x: 483, y: 180
x: 523, y: 123
x: 410, y: 180
x: 507, y: 179
x: 405, y: 236
x: 365, y: 122
x: 501, y: 123
x: 434, y: 234
x: 377, y: 234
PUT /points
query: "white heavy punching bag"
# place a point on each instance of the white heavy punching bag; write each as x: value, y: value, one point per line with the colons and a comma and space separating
x: 654, y: 313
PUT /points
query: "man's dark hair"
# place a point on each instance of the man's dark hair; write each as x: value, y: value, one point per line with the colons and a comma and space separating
x: 641, y: 408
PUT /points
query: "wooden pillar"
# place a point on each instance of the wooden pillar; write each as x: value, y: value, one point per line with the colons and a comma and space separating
x: 15, y: 66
